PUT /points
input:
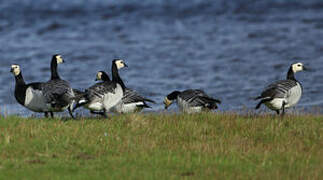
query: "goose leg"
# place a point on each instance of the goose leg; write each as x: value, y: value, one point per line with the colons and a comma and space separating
x: 46, y: 114
x: 283, y: 108
x: 105, y: 113
x: 277, y: 111
x: 51, y: 114
x: 70, y: 112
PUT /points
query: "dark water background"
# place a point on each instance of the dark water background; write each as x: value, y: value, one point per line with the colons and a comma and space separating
x: 231, y: 49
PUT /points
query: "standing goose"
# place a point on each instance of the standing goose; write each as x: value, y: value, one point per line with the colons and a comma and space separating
x: 104, y: 95
x: 58, y: 93
x: 191, y: 100
x: 29, y: 95
x: 131, y: 100
x: 284, y: 93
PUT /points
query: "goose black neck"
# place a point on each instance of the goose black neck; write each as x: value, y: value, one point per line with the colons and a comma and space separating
x: 115, y: 76
x: 20, y: 89
x: 173, y: 95
x: 20, y: 80
x: 105, y: 77
x: 53, y: 68
x: 291, y: 74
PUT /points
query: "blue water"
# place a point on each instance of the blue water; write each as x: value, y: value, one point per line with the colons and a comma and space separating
x: 231, y: 49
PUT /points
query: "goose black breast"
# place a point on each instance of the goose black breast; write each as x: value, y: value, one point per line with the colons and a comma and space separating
x: 20, y: 93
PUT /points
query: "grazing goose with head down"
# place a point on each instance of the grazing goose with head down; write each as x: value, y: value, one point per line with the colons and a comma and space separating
x: 131, y: 100
x: 29, y: 95
x: 58, y: 93
x: 191, y: 100
x: 105, y: 95
x: 283, y: 94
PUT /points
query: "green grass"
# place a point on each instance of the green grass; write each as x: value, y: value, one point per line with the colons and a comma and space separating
x: 163, y: 146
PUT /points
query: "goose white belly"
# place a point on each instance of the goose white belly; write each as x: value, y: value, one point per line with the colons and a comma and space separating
x: 127, y: 108
x: 94, y: 106
x: 35, y: 100
x: 275, y: 104
x: 291, y: 99
x: 112, y: 99
x: 185, y: 107
x: 294, y: 95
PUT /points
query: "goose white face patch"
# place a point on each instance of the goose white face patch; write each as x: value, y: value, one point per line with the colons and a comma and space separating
x: 59, y: 59
x: 15, y: 69
x: 99, y: 76
x: 297, y: 67
x: 167, y: 102
x: 120, y: 63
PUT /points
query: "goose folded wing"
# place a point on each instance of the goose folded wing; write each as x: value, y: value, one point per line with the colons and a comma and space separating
x: 131, y: 96
x: 190, y: 94
x: 99, y: 90
x: 198, y: 97
x: 278, y: 89
x: 55, y: 90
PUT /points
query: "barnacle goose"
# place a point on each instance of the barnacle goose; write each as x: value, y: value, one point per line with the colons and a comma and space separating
x: 29, y: 95
x: 131, y: 100
x: 58, y: 93
x: 105, y: 95
x: 284, y: 93
x: 191, y: 100
x: 92, y: 98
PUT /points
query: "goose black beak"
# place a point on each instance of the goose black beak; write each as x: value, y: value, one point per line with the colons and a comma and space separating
x: 11, y: 70
x: 125, y: 65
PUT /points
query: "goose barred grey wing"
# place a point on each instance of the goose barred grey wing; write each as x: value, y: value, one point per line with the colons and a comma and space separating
x: 131, y: 96
x: 278, y: 89
x: 196, y: 97
x: 78, y: 93
x: 99, y: 89
x: 58, y: 93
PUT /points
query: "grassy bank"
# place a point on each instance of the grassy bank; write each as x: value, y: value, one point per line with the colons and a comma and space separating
x: 136, y: 146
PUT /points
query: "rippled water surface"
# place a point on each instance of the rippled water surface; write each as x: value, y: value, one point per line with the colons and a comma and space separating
x: 231, y: 49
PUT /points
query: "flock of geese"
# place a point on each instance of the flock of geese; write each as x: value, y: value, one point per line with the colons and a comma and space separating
x: 111, y: 95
